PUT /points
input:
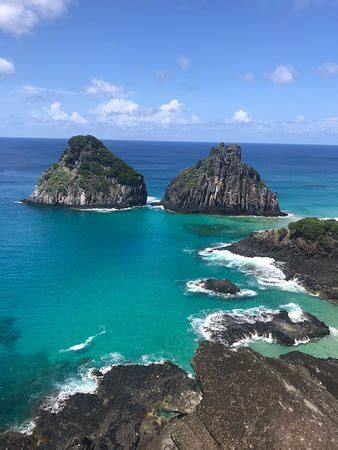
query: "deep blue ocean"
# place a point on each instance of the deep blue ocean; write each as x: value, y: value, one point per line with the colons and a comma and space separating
x: 82, y: 289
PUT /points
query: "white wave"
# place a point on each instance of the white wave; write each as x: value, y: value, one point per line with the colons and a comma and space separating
x: 333, y: 331
x: 328, y: 218
x: 105, y: 210
x: 295, y: 312
x: 27, y: 427
x: 245, y: 342
x: 146, y: 360
x: 197, y: 286
x: 82, y: 345
x: 211, y: 323
x: 263, y: 268
x: 152, y: 199
x: 85, y: 383
x: 301, y: 341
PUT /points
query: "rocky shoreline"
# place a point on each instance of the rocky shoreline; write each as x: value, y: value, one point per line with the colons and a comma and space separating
x: 238, y: 399
x: 308, y: 251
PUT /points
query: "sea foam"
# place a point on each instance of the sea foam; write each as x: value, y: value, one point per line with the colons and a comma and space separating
x: 83, y: 345
x: 210, y: 323
x: 264, y: 269
x: 197, y: 287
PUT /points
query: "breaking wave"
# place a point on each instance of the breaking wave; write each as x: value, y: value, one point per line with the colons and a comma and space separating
x: 263, y: 268
x: 210, y: 324
x: 151, y: 199
x: 197, y: 287
x: 83, y: 345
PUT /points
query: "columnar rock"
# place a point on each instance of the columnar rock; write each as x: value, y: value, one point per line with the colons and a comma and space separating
x: 89, y: 175
x: 221, y: 184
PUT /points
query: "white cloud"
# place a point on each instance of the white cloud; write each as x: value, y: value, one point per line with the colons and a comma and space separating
x: 184, y: 62
x: 117, y: 106
x: 171, y: 107
x: 37, y: 91
x: 56, y: 113
x: 300, y: 119
x: 249, y: 76
x: 328, y: 69
x: 102, y: 88
x: 21, y: 16
x: 283, y: 74
x: 6, y: 67
x: 75, y: 117
x: 241, y: 116
x: 125, y: 113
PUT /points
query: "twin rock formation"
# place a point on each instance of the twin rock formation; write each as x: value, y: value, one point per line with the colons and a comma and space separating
x: 89, y: 175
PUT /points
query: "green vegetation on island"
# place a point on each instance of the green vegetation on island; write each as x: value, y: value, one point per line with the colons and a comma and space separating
x: 88, y: 174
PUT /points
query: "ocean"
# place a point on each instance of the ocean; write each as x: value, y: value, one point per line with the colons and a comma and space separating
x: 83, y: 289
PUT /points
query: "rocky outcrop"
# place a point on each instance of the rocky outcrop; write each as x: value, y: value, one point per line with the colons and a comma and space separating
x: 221, y: 286
x: 308, y: 250
x: 89, y: 175
x: 221, y: 184
x: 240, y: 400
x: 277, y: 326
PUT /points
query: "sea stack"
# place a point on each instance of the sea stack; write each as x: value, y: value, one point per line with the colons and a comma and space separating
x: 221, y: 184
x: 90, y: 175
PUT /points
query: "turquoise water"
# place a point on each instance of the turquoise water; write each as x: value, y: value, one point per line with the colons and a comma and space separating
x: 68, y: 275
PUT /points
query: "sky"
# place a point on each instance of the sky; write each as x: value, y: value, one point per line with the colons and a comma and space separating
x: 193, y: 70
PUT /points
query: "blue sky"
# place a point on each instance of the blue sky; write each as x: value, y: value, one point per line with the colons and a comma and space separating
x: 241, y: 70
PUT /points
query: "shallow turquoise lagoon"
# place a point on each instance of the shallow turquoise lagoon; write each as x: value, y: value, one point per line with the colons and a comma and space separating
x: 86, y: 288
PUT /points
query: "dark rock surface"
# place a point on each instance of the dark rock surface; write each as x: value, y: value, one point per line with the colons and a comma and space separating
x: 130, y: 407
x: 231, y: 328
x: 312, y: 260
x: 323, y: 370
x: 241, y: 400
x: 221, y: 286
x: 221, y: 184
x: 89, y: 175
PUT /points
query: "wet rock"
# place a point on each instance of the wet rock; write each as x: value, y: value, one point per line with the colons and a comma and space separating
x: 221, y: 184
x: 221, y: 286
x: 232, y: 328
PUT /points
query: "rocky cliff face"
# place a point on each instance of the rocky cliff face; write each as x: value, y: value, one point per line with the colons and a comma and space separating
x: 221, y: 184
x: 89, y: 175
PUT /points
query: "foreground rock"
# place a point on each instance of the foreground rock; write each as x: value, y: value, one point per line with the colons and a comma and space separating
x: 131, y: 405
x: 308, y: 249
x: 221, y: 184
x: 89, y: 175
x: 245, y: 401
x: 235, y: 327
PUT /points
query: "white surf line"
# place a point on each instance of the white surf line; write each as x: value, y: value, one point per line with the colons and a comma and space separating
x: 196, y: 286
x: 82, y: 345
x: 264, y: 269
x: 210, y: 322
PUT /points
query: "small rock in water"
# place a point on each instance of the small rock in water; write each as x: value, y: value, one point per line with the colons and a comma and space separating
x: 221, y: 286
x: 232, y: 328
